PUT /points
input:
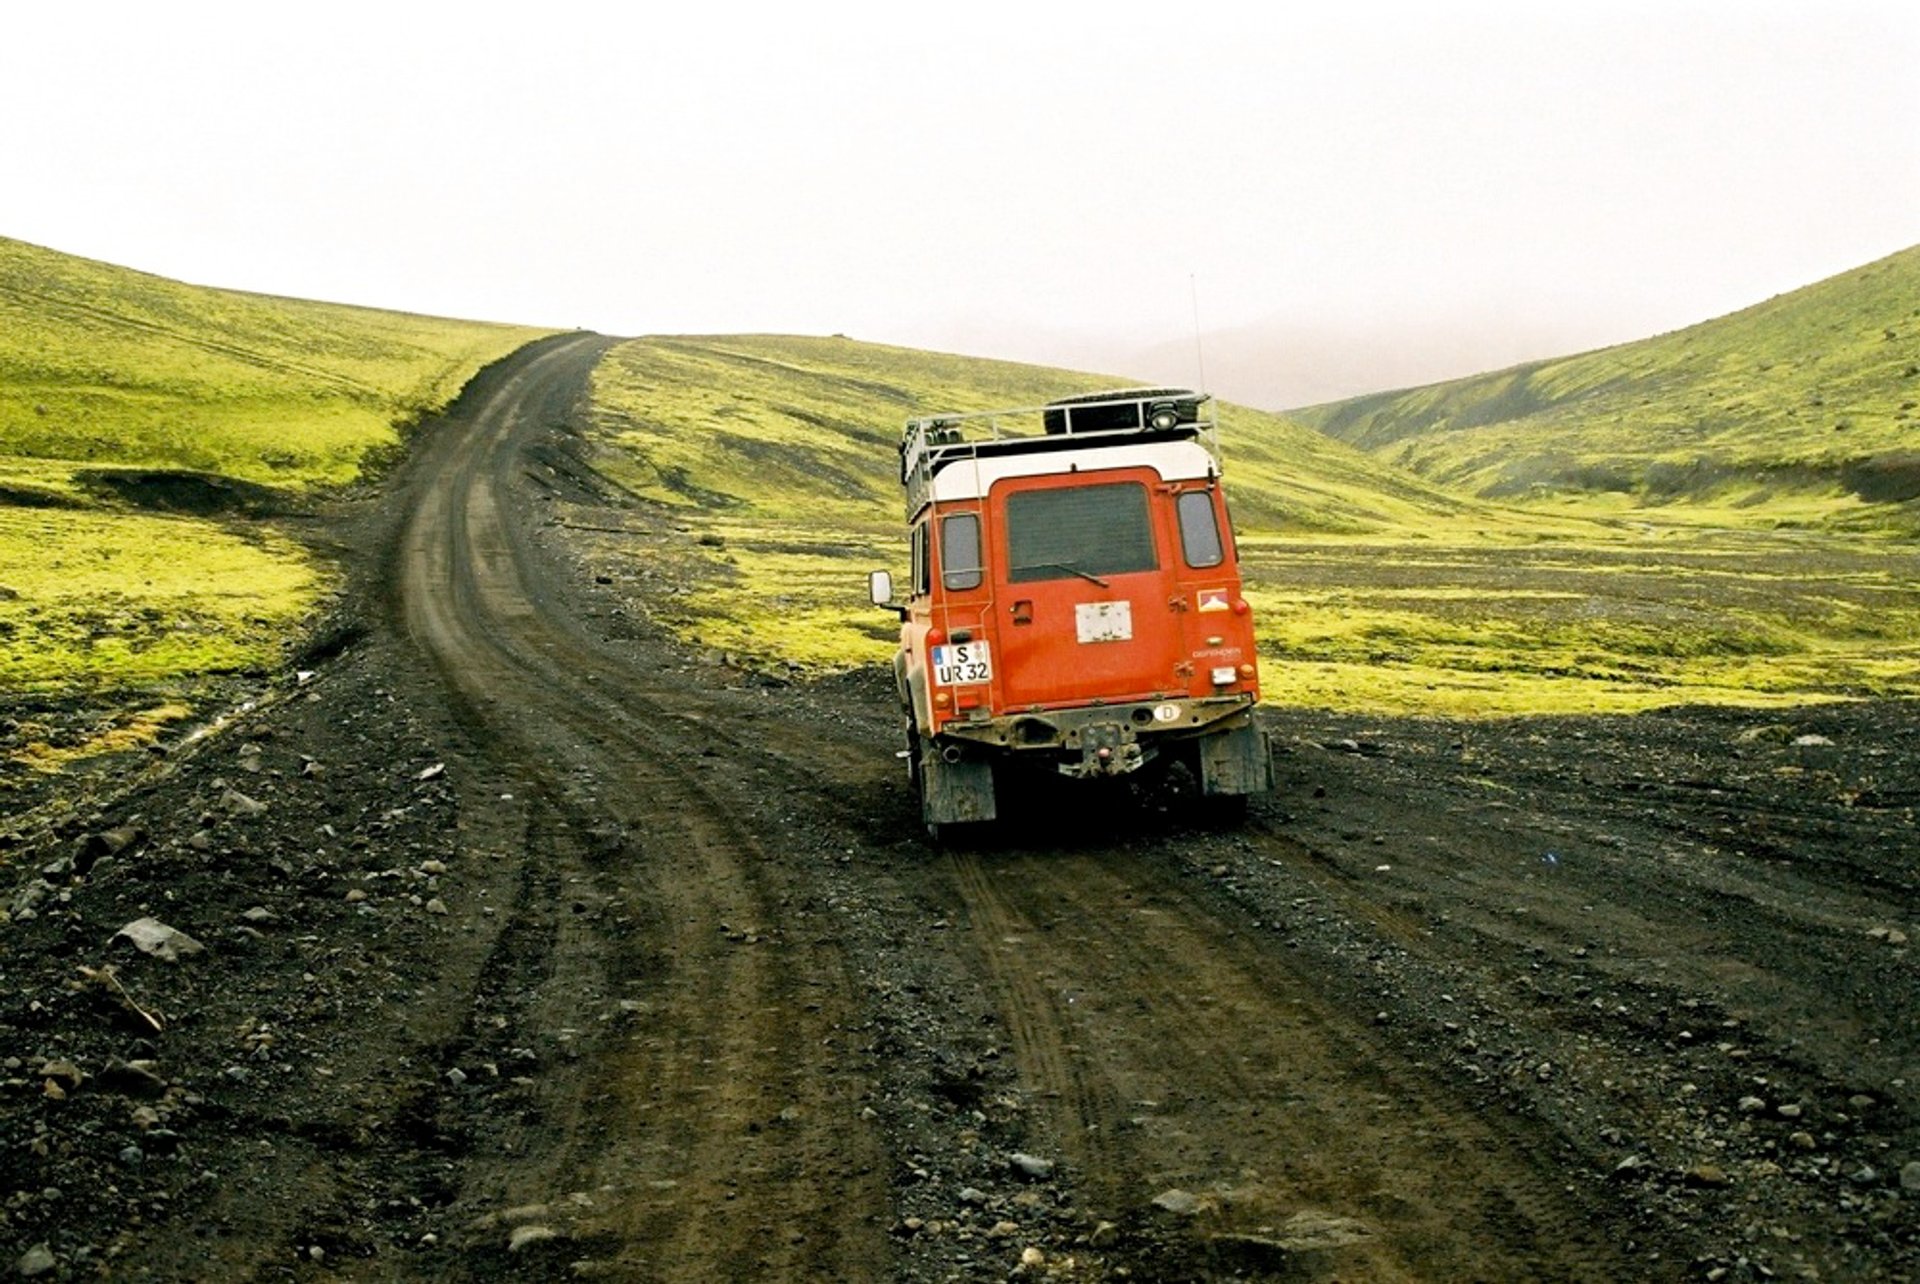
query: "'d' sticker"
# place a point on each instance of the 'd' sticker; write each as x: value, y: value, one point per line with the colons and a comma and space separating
x: 1214, y: 600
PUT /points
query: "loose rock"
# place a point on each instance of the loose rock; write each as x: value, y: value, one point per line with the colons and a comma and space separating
x: 132, y: 1079
x: 533, y: 1233
x: 1031, y: 1166
x: 241, y: 805
x: 1311, y: 1231
x: 151, y: 936
x: 1707, y: 1177
x: 64, y: 1073
x: 29, y: 898
x: 1178, y: 1202
x: 109, y: 842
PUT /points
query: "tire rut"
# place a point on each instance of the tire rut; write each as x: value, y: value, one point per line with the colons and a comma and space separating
x: 1165, y: 1049
x: 1179, y: 1056
x: 693, y: 1134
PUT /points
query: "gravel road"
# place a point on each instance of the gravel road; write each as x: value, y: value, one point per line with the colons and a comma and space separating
x: 520, y: 941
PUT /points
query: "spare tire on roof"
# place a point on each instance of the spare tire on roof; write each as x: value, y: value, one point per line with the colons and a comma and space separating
x: 1120, y: 409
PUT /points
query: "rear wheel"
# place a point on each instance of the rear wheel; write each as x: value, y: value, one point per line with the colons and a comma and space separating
x: 1174, y: 784
x: 1221, y: 811
x: 917, y: 775
x: 912, y: 735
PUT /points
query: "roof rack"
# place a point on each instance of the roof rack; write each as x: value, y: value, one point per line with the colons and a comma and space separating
x: 1118, y: 417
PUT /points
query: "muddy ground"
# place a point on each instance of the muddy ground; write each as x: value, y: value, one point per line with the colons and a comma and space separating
x: 525, y: 943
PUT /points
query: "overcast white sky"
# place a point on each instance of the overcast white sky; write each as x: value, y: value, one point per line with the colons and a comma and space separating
x: 1020, y: 180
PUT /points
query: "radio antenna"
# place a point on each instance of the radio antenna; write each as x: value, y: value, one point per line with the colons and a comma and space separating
x: 1199, y: 357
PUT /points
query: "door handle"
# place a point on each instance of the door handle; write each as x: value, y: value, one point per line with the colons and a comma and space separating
x: 1023, y: 612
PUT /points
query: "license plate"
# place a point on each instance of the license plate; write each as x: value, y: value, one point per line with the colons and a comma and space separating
x: 962, y: 664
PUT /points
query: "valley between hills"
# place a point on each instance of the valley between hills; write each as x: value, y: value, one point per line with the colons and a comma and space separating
x: 490, y: 728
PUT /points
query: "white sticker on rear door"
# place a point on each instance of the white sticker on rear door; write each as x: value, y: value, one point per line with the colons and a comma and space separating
x: 962, y: 664
x: 1104, y: 621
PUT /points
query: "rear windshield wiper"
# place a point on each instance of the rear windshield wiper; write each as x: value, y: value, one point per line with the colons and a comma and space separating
x: 1068, y: 567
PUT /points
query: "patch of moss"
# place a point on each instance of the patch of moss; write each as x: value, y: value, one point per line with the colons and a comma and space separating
x: 116, y: 385
x: 132, y: 729
x: 97, y: 601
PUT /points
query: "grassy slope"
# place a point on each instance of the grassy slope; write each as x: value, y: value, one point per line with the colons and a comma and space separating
x: 1798, y: 411
x: 1373, y: 591
x: 785, y: 448
x: 785, y: 427
x: 102, y: 367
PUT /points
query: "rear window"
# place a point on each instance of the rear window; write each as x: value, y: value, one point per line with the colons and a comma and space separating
x: 1085, y: 531
x: 1199, y: 530
x: 921, y: 583
x: 960, y: 551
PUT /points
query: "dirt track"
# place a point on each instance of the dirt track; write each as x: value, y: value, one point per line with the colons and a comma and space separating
x: 650, y: 975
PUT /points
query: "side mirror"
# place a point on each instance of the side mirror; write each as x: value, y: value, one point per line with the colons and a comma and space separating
x: 880, y: 587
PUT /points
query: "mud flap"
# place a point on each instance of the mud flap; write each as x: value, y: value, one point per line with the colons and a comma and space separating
x: 1236, y: 762
x: 953, y: 793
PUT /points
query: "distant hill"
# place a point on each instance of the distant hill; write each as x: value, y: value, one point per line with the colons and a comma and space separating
x: 772, y: 462
x: 782, y: 454
x: 121, y: 392
x: 1801, y: 409
x: 780, y: 426
x: 102, y: 365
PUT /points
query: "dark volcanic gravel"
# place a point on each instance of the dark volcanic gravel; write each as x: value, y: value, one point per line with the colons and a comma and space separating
x: 630, y: 963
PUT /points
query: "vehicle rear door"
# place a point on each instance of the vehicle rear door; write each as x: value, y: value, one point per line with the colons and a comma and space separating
x: 1080, y: 589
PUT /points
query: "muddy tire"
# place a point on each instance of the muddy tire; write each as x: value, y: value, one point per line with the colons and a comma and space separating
x: 911, y: 735
x: 917, y: 776
x: 1220, y: 811
x: 916, y: 768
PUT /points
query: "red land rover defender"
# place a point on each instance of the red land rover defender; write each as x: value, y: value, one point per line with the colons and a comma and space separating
x: 1074, y: 603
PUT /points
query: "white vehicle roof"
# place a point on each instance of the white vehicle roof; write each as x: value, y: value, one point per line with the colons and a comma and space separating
x: 961, y: 456
x: 974, y: 478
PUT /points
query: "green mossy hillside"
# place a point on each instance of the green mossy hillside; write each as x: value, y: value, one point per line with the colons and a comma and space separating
x: 787, y: 428
x: 1372, y: 591
x: 782, y: 453
x: 122, y: 391
x: 1800, y: 411
x: 105, y: 366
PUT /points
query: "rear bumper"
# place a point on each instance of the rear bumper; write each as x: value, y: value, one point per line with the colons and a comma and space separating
x: 1102, y: 740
